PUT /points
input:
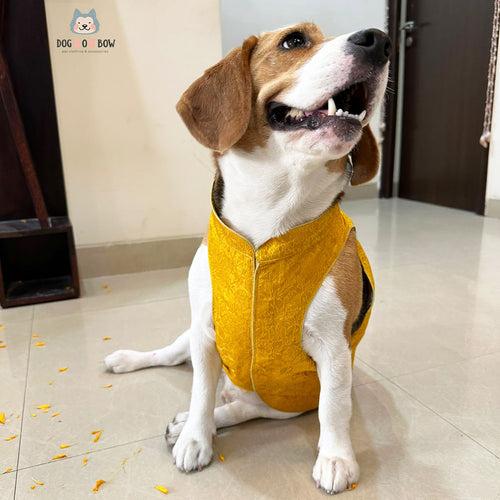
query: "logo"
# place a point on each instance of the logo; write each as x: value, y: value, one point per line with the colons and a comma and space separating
x: 84, y: 24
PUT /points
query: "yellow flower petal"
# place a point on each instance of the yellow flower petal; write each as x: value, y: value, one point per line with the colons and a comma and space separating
x: 11, y: 438
x: 97, y: 485
x: 59, y: 456
x: 2, y: 327
x: 64, y: 446
x: 106, y: 338
x: 32, y: 486
x: 33, y: 415
x: 40, y: 483
x: 353, y: 486
x: 63, y: 369
x: 8, y: 469
x: 85, y: 460
x: 97, y: 435
x: 222, y: 457
x: 56, y: 414
x: 35, y: 336
x: 2, y: 417
x: 3, y: 346
x: 107, y: 386
x: 39, y: 344
x: 161, y: 489
x: 51, y: 382
x: 43, y: 407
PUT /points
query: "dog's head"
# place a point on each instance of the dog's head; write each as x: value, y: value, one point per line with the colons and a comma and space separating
x: 296, y: 91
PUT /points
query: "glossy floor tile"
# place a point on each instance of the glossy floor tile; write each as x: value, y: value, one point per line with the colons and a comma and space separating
x: 426, y: 317
x: 426, y: 381
x: 467, y: 394
x: 15, y: 314
x: 120, y: 290
x: 7, y: 485
x: 15, y: 338
x: 405, y: 452
x: 136, y: 406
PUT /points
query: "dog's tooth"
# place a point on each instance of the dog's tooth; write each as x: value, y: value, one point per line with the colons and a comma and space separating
x: 339, y: 112
x: 346, y: 113
x: 331, y: 107
x: 362, y: 115
x: 295, y: 113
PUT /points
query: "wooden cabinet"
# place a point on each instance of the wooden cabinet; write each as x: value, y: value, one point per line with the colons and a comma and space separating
x: 37, y: 251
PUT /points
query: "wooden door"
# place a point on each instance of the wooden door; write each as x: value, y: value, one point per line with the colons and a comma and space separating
x: 446, y: 66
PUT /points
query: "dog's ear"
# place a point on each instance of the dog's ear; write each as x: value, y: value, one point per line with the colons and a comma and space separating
x: 216, y: 108
x: 365, y: 158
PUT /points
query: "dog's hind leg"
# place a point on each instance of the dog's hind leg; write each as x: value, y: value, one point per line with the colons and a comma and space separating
x: 226, y: 415
x: 127, y: 361
x: 240, y: 406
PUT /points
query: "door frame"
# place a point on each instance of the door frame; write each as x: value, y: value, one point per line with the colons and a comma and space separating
x: 389, y: 144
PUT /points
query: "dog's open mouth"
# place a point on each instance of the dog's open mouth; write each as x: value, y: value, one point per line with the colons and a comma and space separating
x: 349, y: 104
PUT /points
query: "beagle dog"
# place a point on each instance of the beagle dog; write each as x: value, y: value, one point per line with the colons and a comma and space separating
x: 286, y: 115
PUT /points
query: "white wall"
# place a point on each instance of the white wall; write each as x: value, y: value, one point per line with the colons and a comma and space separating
x: 242, y: 18
x: 132, y: 170
x: 493, y: 183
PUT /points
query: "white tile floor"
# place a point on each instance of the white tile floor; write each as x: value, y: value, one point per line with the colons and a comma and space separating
x: 426, y: 421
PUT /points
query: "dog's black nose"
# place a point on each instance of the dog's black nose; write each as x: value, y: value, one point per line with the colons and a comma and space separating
x: 375, y: 44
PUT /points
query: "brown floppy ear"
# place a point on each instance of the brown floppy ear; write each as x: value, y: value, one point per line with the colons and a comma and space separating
x: 216, y: 108
x: 365, y: 158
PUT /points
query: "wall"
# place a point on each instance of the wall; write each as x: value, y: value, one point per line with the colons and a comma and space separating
x: 493, y: 183
x: 242, y: 18
x: 132, y: 170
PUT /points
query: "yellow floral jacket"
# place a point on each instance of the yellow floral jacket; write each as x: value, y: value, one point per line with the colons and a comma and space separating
x: 261, y: 297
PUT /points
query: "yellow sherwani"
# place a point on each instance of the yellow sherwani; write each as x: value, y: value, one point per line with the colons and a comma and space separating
x: 261, y: 297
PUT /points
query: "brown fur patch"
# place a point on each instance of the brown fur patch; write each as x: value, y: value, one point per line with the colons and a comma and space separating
x: 348, y: 278
x: 365, y: 158
x: 336, y: 166
x: 273, y: 70
x: 216, y: 108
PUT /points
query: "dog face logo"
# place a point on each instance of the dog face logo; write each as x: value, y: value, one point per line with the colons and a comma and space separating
x: 84, y: 24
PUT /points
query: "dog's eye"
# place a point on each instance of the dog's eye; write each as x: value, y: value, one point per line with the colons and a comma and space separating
x: 294, y: 40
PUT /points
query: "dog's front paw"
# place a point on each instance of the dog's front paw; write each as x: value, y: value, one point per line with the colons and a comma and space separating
x: 193, y: 450
x: 125, y: 361
x: 335, y: 474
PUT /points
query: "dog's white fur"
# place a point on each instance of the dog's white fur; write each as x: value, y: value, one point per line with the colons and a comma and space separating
x: 266, y: 193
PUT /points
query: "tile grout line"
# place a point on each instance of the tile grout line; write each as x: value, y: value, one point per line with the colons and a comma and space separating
x: 393, y: 382
x: 91, y: 452
x: 405, y: 374
x: 24, y: 398
x: 374, y: 369
x: 153, y: 301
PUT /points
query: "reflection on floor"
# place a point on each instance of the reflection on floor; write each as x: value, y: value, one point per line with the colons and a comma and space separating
x: 426, y: 396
